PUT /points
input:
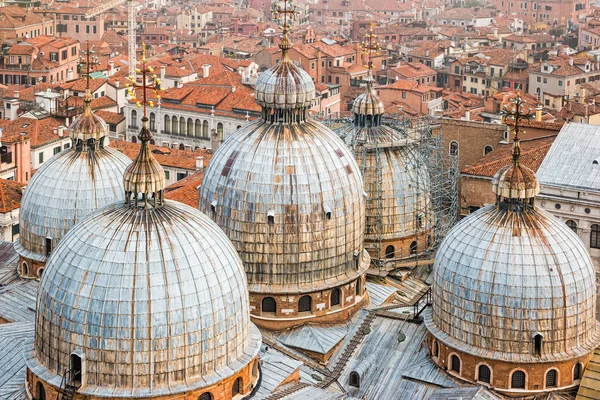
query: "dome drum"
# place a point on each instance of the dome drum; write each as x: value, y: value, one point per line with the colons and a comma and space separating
x: 499, y: 373
x: 333, y: 305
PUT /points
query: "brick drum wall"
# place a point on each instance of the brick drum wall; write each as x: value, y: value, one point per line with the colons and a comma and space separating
x: 33, y: 268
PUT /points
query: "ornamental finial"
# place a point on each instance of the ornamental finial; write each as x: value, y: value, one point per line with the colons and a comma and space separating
x: 285, y: 13
x: 512, y: 117
x: 87, y: 62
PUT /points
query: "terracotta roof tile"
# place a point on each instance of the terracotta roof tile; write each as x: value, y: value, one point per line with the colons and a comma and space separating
x: 184, y: 159
x: 186, y: 190
x: 38, y: 131
x: 10, y: 195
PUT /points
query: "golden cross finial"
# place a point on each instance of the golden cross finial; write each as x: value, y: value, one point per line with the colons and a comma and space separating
x: 285, y: 12
x: 87, y: 61
x: 149, y: 82
x: 370, y: 46
x: 512, y: 117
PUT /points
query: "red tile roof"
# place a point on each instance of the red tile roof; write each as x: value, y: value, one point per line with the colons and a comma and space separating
x: 10, y: 195
x: 186, y: 190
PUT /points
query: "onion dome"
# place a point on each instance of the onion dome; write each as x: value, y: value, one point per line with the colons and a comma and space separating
x: 368, y: 103
x: 149, y: 295
x: 69, y: 186
x: 511, y: 273
x: 289, y: 194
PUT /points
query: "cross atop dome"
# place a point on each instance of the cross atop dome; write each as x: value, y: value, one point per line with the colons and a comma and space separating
x: 285, y: 12
x: 512, y: 117
x: 87, y: 63
x: 144, y: 177
x: 370, y: 47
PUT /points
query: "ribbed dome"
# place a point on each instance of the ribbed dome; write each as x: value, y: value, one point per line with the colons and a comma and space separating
x: 503, y: 275
x: 88, y: 126
x: 396, y: 172
x: 154, y: 300
x: 290, y: 197
x: 368, y: 104
x: 284, y: 86
x: 64, y: 190
x: 515, y: 182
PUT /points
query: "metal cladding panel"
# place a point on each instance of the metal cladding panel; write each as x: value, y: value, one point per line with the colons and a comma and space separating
x: 154, y: 300
x: 64, y: 190
x: 289, y: 205
x: 500, y: 277
x: 284, y: 86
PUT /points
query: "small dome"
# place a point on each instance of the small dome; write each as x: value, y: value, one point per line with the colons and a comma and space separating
x: 284, y: 86
x: 368, y: 103
x: 515, y: 182
x: 153, y: 300
x: 503, y: 275
x: 290, y: 197
x: 64, y: 190
x: 88, y: 126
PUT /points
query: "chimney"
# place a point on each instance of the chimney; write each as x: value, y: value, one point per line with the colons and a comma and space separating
x: 582, y: 96
x: 232, y: 88
x: 467, y: 115
x: 163, y: 70
x: 427, y: 53
x: 16, y: 94
x: 61, y: 131
x: 206, y: 70
x: 199, y: 163
x: 571, y: 61
x: 538, y: 113
x: 111, y: 67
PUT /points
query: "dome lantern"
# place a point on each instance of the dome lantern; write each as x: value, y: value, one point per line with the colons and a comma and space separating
x: 515, y: 182
x: 367, y: 107
x: 144, y: 179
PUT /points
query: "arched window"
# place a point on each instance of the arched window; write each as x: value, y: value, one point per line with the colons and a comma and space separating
x: 181, y: 146
x: 181, y: 126
x: 484, y: 374
x: 40, y: 272
x: 190, y: 127
x: 75, y: 368
x: 167, y: 124
x: 455, y: 363
x: 595, y: 236
x: 41, y: 392
x: 572, y: 224
x: 152, y: 141
x: 435, y: 349
x: 551, y: 378
x: 358, y: 288
x: 134, y: 139
x: 153, y: 122
x: 205, y: 396
x: 517, y: 381
x: 198, y: 128
x: 48, y: 246
x: 175, y: 125
x: 25, y: 269
x: 537, y: 345
x: 413, y: 248
x: 134, y: 118
x: 577, y: 372
x: 235, y: 389
x: 487, y: 150
x: 269, y: 305
x: 335, y: 297
x: 390, y: 252
x: 205, y: 129
x: 305, y: 304
x: 354, y: 379
x: 220, y: 129
x: 454, y: 148
x: 238, y: 127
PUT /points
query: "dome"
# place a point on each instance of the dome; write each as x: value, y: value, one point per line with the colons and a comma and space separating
x: 64, y: 190
x: 290, y: 197
x: 502, y: 276
x: 515, y: 181
x: 153, y: 300
x: 368, y: 103
x: 88, y: 126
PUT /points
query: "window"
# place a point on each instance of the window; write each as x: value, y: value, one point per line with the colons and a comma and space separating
x: 354, y: 379
x: 577, y: 372
x: 305, y: 304
x: 517, y: 380
x: 181, y: 175
x: 537, y: 345
x: 73, y: 51
x: 63, y: 55
x: 551, y: 378
x: 54, y: 57
x: 484, y: 374
x: 455, y: 363
x: 220, y: 129
x: 487, y: 150
x: 413, y: 248
x: 560, y: 83
x: 41, y: 392
x: 205, y: 396
x: 335, y: 297
x: 269, y: 305
x: 41, y: 157
x: 595, y: 236
x: 454, y: 148
x: 235, y: 389
x: 539, y: 79
x: 153, y: 122
x: 572, y: 224
x: 56, y: 150
x: 25, y: 269
x: 390, y: 252
x: 75, y: 367
x: 435, y: 350
x: 87, y: 29
x: 112, y: 127
x: 134, y: 118
x: 15, y: 230
x: 167, y: 175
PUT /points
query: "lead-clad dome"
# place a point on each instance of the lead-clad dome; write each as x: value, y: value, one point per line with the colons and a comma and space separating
x: 368, y: 103
x: 502, y: 277
x: 290, y: 197
x: 153, y: 300
x: 284, y: 86
x: 68, y: 187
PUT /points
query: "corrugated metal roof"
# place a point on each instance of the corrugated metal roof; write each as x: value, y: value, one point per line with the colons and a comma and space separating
x: 574, y: 158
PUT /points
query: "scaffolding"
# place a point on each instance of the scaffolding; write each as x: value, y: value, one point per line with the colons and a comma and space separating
x: 433, y: 173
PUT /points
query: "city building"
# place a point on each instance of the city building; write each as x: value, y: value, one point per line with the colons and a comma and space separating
x: 10, y: 201
x: 22, y: 23
x: 298, y: 225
